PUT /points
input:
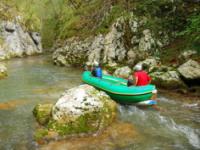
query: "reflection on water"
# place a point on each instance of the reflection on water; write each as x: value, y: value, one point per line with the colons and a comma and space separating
x: 35, y: 80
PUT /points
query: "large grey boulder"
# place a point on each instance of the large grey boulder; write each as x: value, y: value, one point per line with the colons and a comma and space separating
x: 16, y: 42
x: 169, y: 80
x: 82, y: 109
x: 190, y: 70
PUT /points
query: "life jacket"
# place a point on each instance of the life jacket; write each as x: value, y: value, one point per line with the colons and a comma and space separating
x: 143, y: 78
x: 98, y: 72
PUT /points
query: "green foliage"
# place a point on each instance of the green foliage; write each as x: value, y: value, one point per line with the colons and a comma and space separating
x: 116, y: 11
x: 193, y: 28
x: 30, y: 14
x: 192, y: 32
x: 162, y: 14
x: 7, y: 10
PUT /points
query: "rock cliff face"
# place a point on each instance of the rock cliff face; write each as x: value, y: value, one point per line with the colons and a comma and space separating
x: 15, y: 42
x: 144, y: 34
x: 127, y: 42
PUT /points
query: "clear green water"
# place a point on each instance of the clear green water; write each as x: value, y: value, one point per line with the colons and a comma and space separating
x: 36, y: 80
x: 32, y: 80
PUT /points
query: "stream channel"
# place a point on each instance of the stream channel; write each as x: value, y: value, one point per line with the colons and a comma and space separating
x: 36, y: 80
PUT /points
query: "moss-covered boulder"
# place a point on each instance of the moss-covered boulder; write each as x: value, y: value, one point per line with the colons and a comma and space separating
x: 82, y: 109
x: 42, y: 113
x: 3, y: 71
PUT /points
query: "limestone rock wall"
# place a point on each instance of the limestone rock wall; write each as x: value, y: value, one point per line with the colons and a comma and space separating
x: 127, y: 42
x: 16, y: 42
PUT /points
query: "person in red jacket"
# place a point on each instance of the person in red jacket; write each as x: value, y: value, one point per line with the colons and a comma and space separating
x: 141, y: 77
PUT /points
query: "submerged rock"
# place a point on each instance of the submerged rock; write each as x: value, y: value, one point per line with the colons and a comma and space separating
x: 117, y: 136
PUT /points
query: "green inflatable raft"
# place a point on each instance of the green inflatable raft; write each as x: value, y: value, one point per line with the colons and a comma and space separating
x: 118, y: 90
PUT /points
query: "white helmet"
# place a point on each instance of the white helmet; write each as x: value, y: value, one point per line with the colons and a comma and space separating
x: 138, y: 67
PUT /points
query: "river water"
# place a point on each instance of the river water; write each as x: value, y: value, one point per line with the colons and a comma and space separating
x: 36, y: 80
